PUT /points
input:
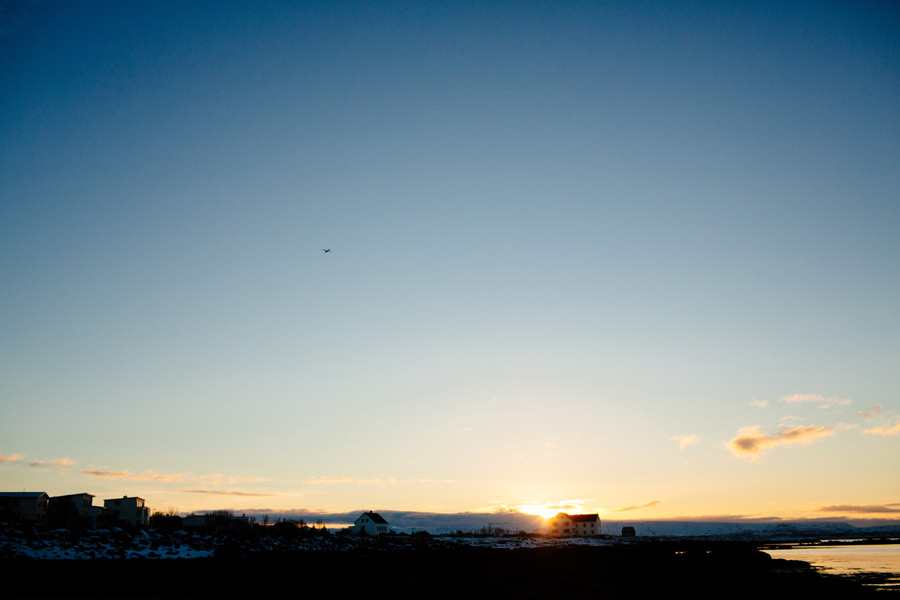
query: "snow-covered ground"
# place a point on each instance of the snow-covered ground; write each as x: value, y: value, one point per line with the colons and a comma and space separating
x: 105, y: 544
x: 119, y: 544
x: 62, y: 544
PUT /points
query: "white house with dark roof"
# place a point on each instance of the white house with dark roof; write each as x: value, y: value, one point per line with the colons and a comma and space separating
x: 566, y: 525
x: 370, y: 523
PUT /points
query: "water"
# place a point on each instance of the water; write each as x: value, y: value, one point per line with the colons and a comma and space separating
x: 853, y: 559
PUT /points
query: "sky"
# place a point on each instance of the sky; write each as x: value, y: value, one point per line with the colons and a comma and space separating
x: 640, y: 259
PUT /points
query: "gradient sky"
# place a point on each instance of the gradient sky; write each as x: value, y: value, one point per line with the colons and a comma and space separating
x: 635, y: 258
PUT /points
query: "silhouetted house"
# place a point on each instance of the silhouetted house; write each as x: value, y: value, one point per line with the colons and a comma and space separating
x: 370, y: 523
x: 565, y: 525
x: 219, y: 520
x: 24, y: 506
x: 74, y: 507
x: 628, y: 531
x: 83, y: 503
x: 195, y: 521
x: 130, y: 510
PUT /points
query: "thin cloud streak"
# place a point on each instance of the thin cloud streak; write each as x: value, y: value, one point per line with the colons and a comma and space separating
x: 860, y: 508
x: 798, y: 398
x: 638, y: 507
x: 759, y: 403
x: 145, y: 476
x: 223, y: 492
x: 751, y: 442
x: 59, y: 462
x: 824, y: 403
x: 219, y: 477
x: 11, y: 458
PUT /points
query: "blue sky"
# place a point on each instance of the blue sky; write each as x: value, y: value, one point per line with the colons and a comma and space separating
x: 576, y: 251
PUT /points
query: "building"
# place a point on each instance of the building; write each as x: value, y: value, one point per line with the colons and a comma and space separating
x: 130, y: 510
x: 24, y: 506
x: 83, y: 504
x: 220, y: 520
x: 565, y: 525
x: 73, y: 507
x: 370, y: 523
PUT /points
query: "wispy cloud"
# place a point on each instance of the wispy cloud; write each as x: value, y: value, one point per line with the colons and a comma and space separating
x: 223, y: 492
x: 10, y: 458
x: 860, y: 508
x: 638, y: 507
x: 376, y: 481
x: 759, y: 403
x: 145, y: 476
x: 686, y: 440
x: 751, y: 441
x: 870, y: 413
x: 220, y: 478
x: 798, y: 398
x: 885, y: 430
x: 59, y: 462
x: 824, y: 403
x: 329, y: 480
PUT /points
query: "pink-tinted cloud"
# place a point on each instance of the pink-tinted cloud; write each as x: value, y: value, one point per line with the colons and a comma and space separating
x: 759, y: 403
x: 860, y: 508
x: 751, y: 441
x: 824, y: 403
x: 59, y: 462
x: 638, y: 507
x: 870, y: 413
x: 686, y: 440
x: 145, y: 476
x: 219, y: 477
x: 10, y: 458
x: 797, y: 398
x: 224, y: 492
x: 884, y: 430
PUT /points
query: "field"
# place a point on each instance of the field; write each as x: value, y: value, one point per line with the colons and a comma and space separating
x: 423, y: 570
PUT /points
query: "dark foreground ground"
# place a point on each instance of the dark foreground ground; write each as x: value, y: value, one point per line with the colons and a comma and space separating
x: 715, y: 570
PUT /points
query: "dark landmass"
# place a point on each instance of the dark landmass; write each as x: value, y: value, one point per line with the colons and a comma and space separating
x: 422, y: 569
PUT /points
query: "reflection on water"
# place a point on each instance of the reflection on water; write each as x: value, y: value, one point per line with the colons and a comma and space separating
x: 850, y: 559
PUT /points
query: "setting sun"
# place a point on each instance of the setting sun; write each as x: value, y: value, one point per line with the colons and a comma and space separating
x: 551, y: 509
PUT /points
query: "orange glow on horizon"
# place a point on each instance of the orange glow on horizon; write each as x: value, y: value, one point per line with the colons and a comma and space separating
x: 551, y: 509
